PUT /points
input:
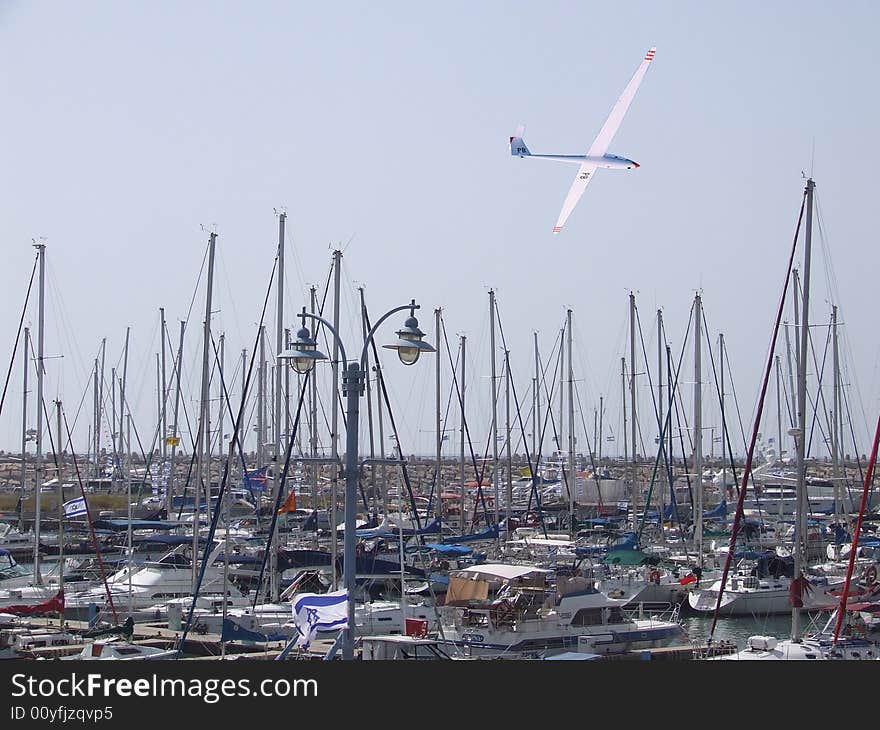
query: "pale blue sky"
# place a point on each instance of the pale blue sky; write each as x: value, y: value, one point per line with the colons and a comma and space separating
x: 383, y: 127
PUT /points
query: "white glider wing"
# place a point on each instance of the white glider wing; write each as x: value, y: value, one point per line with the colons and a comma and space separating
x: 584, y: 175
x: 606, y: 134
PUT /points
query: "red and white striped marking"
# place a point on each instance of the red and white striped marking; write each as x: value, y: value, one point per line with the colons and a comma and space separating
x: 649, y: 56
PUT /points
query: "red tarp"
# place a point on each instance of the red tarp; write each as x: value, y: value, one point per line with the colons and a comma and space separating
x: 53, y: 605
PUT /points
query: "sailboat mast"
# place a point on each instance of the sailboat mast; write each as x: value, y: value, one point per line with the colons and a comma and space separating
x: 368, y: 389
x: 313, y: 429
x: 334, y: 438
x: 122, y: 385
x: 835, y: 423
x: 98, y: 415
x: 778, y: 410
x: 698, y: 426
x: 623, y: 402
x: 495, y: 473
x: 660, y: 368
x: 572, y: 467
x: 461, y: 443
x: 38, y: 483
x: 632, y: 399
x: 169, y: 489
x: 220, y: 393
x: 537, y: 428
x: 723, y: 422
x: 439, y: 480
x: 164, y: 397
x: 508, y: 497
x: 60, y: 477
x: 24, y: 399
x: 201, y: 468
x: 277, y: 429
x: 803, y: 340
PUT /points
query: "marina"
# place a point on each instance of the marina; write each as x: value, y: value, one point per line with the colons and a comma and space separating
x: 308, y: 402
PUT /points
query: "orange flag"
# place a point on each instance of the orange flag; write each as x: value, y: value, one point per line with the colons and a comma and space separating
x: 289, y: 503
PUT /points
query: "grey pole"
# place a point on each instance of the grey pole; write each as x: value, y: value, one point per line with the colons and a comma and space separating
x: 351, y: 385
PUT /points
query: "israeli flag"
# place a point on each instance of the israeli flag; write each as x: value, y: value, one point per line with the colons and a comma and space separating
x: 314, y: 612
x: 75, y: 507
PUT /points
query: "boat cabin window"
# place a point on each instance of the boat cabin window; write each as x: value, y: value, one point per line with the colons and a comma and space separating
x: 616, y: 615
x: 126, y: 650
x: 587, y: 617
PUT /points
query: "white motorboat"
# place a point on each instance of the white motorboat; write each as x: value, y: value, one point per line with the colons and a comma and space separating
x: 140, y: 587
x: 119, y: 649
x: 517, y: 611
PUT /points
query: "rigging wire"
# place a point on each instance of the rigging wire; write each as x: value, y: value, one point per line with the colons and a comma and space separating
x: 18, y: 334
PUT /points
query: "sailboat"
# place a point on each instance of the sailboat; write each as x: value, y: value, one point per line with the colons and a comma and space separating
x: 818, y: 646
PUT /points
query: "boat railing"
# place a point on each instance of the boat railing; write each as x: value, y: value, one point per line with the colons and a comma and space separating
x: 669, y: 612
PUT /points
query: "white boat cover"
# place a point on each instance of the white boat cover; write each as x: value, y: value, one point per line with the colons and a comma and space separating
x: 500, y: 570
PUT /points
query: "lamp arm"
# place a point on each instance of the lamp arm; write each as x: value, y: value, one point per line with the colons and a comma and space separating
x: 333, y: 331
x: 412, y: 306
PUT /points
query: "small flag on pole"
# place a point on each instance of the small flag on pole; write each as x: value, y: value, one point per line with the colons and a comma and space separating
x: 289, y: 504
x: 172, y: 440
x: 75, y: 507
x: 313, y: 612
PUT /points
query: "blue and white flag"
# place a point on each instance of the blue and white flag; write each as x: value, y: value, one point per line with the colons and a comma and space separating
x: 314, y: 612
x: 75, y: 507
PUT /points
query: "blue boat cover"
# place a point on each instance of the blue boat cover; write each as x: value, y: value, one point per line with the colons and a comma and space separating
x: 118, y: 525
x: 720, y: 510
x: 487, y: 533
x: 449, y: 549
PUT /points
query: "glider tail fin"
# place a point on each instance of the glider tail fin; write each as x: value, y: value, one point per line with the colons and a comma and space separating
x: 517, y: 145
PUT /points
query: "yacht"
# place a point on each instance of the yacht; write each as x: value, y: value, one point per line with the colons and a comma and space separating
x: 521, y: 611
x: 138, y: 587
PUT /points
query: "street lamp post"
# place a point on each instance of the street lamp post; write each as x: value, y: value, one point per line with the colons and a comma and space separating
x: 302, y: 356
